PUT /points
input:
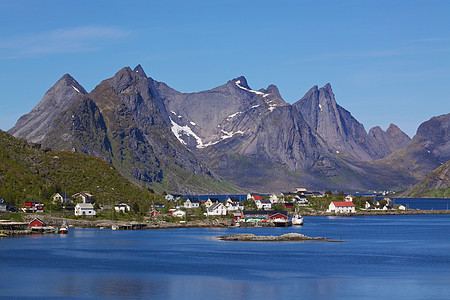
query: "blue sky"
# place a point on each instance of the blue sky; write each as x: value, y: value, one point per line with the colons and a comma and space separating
x: 387, y: 61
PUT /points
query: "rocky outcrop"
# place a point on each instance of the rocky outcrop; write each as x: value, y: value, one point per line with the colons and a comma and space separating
x: 288, y: 237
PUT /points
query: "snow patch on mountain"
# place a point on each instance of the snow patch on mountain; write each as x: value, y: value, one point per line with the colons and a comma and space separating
x: 238, y: 84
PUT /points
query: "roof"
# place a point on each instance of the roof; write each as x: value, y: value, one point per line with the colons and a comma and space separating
x: 193, y: 200
x: 64, y: 195
x: 343, y: 204
x: 85, y: 205
x: 257, y: 197
x: 2, y: 201
x: 87, y: 195
x: 37, y: 219
x: 33, y: 201
x: 214, y: 206
x: 234, y: 198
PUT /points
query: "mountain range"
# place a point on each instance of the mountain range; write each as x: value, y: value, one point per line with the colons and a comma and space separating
x: 229, y: 137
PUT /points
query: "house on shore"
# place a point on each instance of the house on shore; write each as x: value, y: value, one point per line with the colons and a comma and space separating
x: 191, y: 203
x: 84, y: 209
x: 263, y: 204
x: 259, y: 215
x: 234, y: 204
x: 341, y: 207
x: 37, y: 223
x: 179, y: 213
x: 217, y: 209
x: 123, y: 207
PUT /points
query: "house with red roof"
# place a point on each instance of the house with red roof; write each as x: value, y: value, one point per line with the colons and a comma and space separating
x: 341, y: 207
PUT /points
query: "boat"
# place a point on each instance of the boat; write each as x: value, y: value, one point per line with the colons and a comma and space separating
x: 280, y: 222
x: 64, y: 229
x: 114, y: 227
x: 297, y: 220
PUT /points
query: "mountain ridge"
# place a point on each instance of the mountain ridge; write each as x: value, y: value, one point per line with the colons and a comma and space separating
x: 252, y: 138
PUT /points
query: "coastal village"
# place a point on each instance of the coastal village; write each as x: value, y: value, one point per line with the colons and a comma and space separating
x: 172, y: 210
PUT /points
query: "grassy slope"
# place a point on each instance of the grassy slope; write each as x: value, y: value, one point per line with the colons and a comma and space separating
x: 436, y: 184
x: 26, y: 172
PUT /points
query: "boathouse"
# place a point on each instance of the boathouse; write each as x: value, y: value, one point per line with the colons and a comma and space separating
x: 37, y: 223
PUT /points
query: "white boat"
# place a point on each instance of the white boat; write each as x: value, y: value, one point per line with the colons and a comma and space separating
x: 297, y: 220
x: 64, y: 229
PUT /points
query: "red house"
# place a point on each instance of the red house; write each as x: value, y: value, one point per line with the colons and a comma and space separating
x: 34, y: 206
x: 154, y: 213
x: 37, y: 223
x: 278, y: 215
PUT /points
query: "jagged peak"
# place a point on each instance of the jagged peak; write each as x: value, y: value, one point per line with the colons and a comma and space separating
x: 138, y: 69
x: 327, y: 86
x: 240, y: 81
x: 375, y: 129
x: 69, y: 81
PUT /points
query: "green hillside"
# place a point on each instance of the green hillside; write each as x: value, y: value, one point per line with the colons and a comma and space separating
x: 436, y: 184
x: 28, y: 172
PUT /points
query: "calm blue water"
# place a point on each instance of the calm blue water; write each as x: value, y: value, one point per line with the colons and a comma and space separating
x: 384, y: 257
x: 423, y: 203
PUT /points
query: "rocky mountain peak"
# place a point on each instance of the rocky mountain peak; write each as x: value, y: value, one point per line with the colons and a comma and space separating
x: 240, y: 82
x: 68, y: 81
x: 138, y: 69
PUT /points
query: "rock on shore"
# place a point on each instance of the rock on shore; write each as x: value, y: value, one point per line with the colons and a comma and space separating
x: 270, y: 238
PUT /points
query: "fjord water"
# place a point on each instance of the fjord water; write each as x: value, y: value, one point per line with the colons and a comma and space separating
x: 382, y: 257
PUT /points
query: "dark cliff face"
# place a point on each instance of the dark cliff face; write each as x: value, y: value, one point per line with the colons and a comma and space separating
x: 342, y: 132
x: 427, y: 150
x: 382, y: 143
x: 334, y: 124
x: 34, y: 126
x: 436, y: 133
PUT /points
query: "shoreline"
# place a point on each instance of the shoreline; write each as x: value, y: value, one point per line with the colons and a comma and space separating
x: 151, y: 224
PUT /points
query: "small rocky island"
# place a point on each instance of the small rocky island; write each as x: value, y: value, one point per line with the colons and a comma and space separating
x: 248, y: 237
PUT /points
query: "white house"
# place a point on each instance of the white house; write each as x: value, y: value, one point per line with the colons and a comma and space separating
x: 401, y: 207
x: 341, y: 207
x: 300, y: 190
x: 208, y: 203
x: 84, y: 209
x: 2, y: 204
x: 217, y: 209
x: 179, y: 213
x: 273, y: 198
x: 300, y: 199
x: 123, y: 207
x: 169, y: 197
x: 191, y: 203
x: 349, y: 198
x: 263, y: 204
x: 62, y: 198
x: 233, y: 203
x: 84, y: 197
